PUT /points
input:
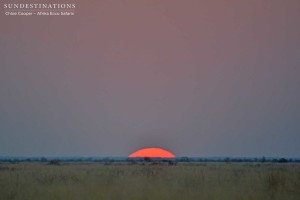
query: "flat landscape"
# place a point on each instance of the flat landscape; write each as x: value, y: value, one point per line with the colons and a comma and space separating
x: 94, y: 181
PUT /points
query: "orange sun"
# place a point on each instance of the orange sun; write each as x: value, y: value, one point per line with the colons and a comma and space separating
x: 151, y: 153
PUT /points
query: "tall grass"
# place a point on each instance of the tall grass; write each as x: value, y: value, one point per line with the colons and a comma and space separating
x: 95, y: 181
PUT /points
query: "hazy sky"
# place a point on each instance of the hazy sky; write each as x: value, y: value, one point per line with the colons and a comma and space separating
x: 196, y: 77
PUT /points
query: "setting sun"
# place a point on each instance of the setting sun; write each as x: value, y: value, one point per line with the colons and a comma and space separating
x: 152, y: 153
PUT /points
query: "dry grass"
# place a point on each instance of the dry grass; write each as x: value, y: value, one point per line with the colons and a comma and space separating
x: 95, y: 181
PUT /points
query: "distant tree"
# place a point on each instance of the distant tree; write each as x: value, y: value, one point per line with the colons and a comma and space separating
x: 282, y: 160
x: 14, y: 161
x: 184, y: 159
x: 108, y: 161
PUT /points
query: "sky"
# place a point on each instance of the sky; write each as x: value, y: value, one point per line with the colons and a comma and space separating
x: 198, y: 78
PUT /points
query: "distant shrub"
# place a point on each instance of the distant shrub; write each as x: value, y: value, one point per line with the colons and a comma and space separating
x: 171, y: 162
x: 147, y: 159
x: 54, y: 162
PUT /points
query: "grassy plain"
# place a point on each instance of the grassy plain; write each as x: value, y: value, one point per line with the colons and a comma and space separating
x: 206, y: 181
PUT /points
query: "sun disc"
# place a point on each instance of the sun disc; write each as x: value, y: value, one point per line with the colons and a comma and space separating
x: 152, y: 153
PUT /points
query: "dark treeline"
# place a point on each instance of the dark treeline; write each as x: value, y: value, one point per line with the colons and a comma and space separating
x: 172, y: 161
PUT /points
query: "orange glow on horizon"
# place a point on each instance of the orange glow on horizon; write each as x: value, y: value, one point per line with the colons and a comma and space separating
x: 152, y: 153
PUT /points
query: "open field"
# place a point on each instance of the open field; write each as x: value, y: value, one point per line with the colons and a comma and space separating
x: 208, y: 181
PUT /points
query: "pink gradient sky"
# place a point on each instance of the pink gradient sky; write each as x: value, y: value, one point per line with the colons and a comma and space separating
x: 198, y: 78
